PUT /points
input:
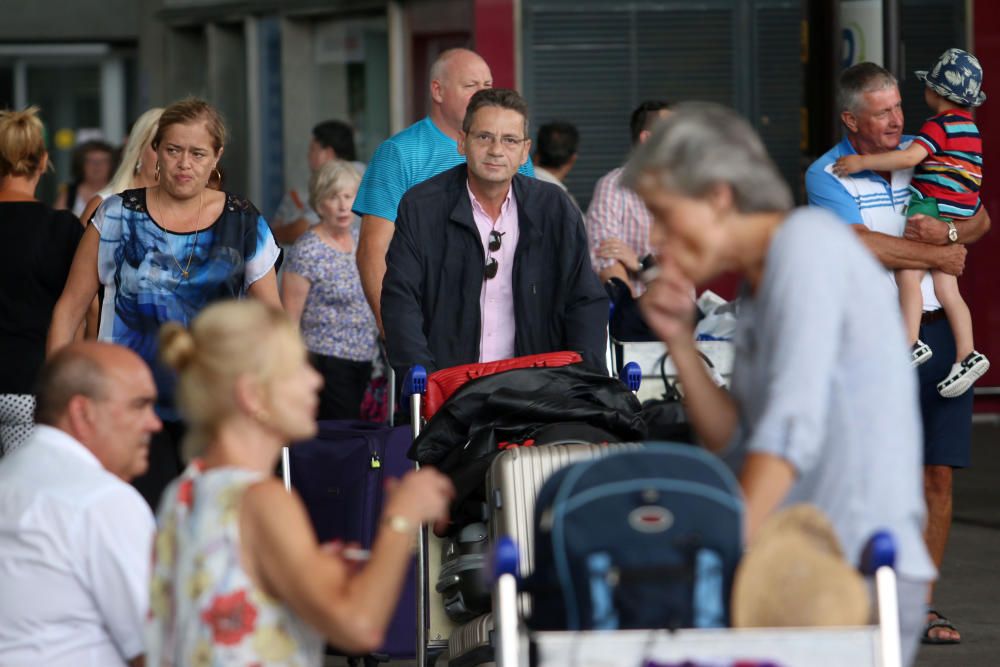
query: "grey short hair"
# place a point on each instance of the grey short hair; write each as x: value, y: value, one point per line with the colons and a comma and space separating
x: 330, y: 179
x: 703, y: 145
x: 71, y: 371
x: 859, y: 79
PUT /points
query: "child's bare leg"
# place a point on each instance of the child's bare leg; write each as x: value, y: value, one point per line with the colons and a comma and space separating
x: 911, y: 301
x: 959, y: 317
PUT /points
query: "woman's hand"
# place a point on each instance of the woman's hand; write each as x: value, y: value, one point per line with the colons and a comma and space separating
x: 668, y: 304
x: 421, y: 496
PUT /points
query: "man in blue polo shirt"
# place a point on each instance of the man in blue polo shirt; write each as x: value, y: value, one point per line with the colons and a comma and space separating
x: 425, y: 149
x: 875, y: 203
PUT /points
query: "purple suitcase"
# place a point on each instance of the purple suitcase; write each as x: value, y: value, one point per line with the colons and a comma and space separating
x: 340, y: 475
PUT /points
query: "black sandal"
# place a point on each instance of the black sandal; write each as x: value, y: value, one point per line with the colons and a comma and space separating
x: 939, y: 622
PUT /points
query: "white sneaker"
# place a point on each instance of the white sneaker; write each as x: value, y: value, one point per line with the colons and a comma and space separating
x: 920, y: 353
x: 963, y: 375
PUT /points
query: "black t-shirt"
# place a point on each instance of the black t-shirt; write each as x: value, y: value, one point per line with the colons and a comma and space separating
x: 36, y: 249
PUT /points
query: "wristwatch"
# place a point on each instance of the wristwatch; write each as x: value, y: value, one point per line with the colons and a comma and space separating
x: 952, y: 232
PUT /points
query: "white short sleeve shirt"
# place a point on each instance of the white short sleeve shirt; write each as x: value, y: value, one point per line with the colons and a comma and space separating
x: 75, y: 546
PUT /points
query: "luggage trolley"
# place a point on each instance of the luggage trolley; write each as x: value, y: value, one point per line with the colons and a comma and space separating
x: 864, y: 646
x: 434, y: 627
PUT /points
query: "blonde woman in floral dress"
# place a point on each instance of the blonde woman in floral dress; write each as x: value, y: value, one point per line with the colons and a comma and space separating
x: 238, y: 577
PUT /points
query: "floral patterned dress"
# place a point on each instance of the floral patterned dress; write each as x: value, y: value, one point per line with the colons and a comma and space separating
x: 204, y: 609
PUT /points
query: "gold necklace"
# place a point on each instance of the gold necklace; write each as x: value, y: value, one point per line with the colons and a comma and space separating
x: 186, y: 269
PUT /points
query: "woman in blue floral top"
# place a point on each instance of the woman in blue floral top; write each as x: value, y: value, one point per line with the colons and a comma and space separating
x: 162, y: 254
x: 321, y: 291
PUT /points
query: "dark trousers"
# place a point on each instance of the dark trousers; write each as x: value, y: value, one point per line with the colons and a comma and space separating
x: 344, y: 384
x: 947, y: 421
x: 165, y: 463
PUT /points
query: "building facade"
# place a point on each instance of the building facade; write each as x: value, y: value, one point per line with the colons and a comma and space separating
x: 277, y: 67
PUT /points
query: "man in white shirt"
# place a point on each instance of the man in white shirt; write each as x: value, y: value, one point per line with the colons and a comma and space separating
x: 75, y: 536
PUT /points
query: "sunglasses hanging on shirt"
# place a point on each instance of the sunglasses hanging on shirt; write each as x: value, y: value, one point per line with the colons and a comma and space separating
x: 492, y: 265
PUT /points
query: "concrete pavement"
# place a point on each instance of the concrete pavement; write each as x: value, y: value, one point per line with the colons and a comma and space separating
x: 968, y: 591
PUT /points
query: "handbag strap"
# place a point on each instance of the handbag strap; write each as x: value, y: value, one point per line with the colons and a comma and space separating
x: 671, y: 393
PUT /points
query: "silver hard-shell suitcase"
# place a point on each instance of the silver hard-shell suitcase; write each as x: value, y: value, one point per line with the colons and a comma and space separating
x: 513, y: 482
x: 472, y: 643
x: 512, y: 485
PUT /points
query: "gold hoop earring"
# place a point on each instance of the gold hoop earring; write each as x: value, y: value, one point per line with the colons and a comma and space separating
x: 156, y: 175
x: 218, y: 175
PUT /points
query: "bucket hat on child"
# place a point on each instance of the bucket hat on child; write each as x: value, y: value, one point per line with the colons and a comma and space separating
x: 957, y: 76
x: 795, y: 575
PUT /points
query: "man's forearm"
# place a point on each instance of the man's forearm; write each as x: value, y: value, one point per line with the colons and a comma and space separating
x: 376, y: 233
x: 973, y: 229
x: 926, y: 229
x: 900, y: 253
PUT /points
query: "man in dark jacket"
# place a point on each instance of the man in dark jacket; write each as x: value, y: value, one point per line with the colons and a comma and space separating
x: 486, y: 263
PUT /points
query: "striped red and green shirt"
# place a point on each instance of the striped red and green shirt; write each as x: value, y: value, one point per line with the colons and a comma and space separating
x: 952, y: 172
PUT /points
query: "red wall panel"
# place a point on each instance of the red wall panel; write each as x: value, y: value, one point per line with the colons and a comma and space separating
x: 494, y: 38
x: 982, y: 274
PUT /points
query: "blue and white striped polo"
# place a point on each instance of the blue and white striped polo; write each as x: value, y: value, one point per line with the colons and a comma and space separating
x: 866, y: 199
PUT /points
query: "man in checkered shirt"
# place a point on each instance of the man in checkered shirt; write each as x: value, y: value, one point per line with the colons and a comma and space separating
x: 617, y: 220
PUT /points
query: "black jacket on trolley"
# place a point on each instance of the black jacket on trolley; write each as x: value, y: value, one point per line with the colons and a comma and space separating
x: 435, y: 272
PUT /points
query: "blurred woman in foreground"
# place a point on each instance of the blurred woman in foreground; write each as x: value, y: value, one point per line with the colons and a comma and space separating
x: 238, y: 575
x: 823, y: 408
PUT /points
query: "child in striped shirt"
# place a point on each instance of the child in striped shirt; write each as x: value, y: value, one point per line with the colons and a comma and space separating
x: 947, y: 157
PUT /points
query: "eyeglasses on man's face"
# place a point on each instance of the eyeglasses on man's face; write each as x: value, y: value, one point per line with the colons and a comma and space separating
x: 486, y: 140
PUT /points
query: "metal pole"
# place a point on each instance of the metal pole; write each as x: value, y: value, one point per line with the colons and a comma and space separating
x: 891, y: 43
x: 505, y: 621
x: 888, y: 616
x: 391, y: 374
x: 286, y: 472
x: 423, y: 589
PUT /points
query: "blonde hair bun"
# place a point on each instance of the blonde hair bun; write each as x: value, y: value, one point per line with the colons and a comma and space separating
x: 177, y: 347
x: 22, y: 142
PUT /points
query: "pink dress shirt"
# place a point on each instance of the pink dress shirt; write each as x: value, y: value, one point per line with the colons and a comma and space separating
x: 496, y: 300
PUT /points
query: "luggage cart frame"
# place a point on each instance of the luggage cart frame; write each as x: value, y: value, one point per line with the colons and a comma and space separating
x: 865, y: 646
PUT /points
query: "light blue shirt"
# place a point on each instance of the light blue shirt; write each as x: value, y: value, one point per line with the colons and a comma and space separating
x: 866, y: 199
x: 822, y: 380
x: 404, y: 160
